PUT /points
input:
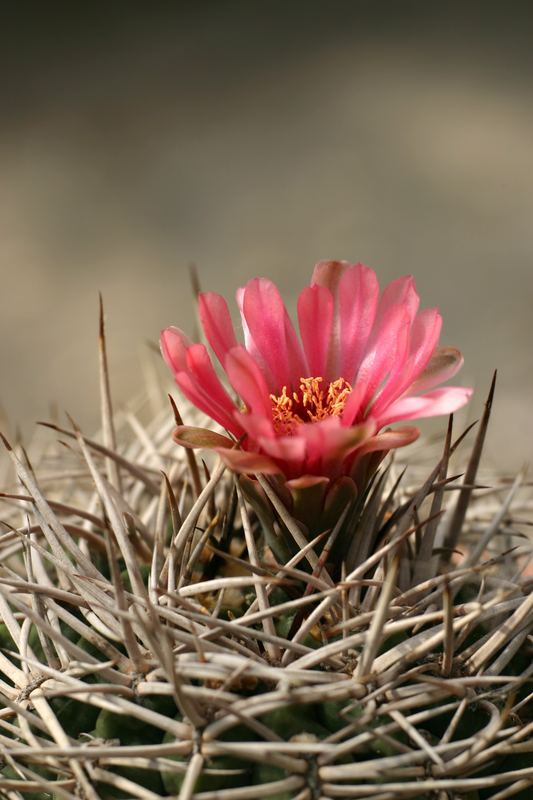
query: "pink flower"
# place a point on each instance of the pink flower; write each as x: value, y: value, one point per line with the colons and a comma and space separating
x: 317, y: 404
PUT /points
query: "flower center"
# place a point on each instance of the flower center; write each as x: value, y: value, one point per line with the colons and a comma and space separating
x: 311, y: 403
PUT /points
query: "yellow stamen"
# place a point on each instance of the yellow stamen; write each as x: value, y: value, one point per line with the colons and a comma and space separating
x: 311, y: 404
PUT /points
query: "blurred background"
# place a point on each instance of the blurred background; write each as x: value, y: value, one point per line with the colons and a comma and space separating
x: 255, y: 138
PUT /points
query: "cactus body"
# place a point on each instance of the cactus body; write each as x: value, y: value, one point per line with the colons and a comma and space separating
x: 154, y: 646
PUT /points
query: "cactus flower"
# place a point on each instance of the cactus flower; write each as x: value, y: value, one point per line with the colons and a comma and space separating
x: 317, y: 403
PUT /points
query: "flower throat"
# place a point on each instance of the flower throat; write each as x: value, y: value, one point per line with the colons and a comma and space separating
x: 312, y: 403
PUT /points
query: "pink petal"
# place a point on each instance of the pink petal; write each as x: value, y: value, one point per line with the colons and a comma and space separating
x: 285, y: 448
x: 358, y: 298
x: 331, y: 437
x: 401, y: 292
x: 424, y: 336
x: 256, y: 427
x: 389, y: 440
x: 441, y: 401
x: 328, y: 445
x: 199, y: 365
x: 196, y: 377
x: 354, y: 403
x: 216, y: 323
x: 272, y: 332
x: 204, y: 400
x: 248, y: 381
x: 315, y: 318
x: 322, y: 445
x: 242, y: 461
x: 174, y: 345
x: 444, y: 364
x: 249, y: 342
x: 328, y: 274
x: 388, y: 348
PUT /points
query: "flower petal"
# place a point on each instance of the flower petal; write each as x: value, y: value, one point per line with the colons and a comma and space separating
x: 272, y: 332
x: 388, y: 348
x: 354, y: 403
x: 328, y: 274
x: 243, y: 461
x: 254, y: 426
x: 190, y: 436
x: 444, y: 364
x: 389, y: 440
x: 326, y: 443
x: 248, y: 381
x: 331, y: 440
x: 315, y: 318
x: 199, y: 364
x: 287, y: 449
x: 216, y: 323
x: 249, y: 342
x: 358, y: 299
x: 196, y: 377
x: 401, y: 292
x: 423, y: 339
x: 174, y: 345
x: 204, y: 400
x: 387, y: 345
x: 441, y: 401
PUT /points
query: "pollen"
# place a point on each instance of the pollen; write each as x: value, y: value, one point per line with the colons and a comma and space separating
x: 311, y: 403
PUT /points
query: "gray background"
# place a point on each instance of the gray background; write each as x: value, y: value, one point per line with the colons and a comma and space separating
x: 255, y: 138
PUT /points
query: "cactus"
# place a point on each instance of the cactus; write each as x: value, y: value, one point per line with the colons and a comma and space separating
x: 170, y: 630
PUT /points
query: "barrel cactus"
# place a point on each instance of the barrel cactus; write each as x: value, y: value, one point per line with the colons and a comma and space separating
x: 231, y: 629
